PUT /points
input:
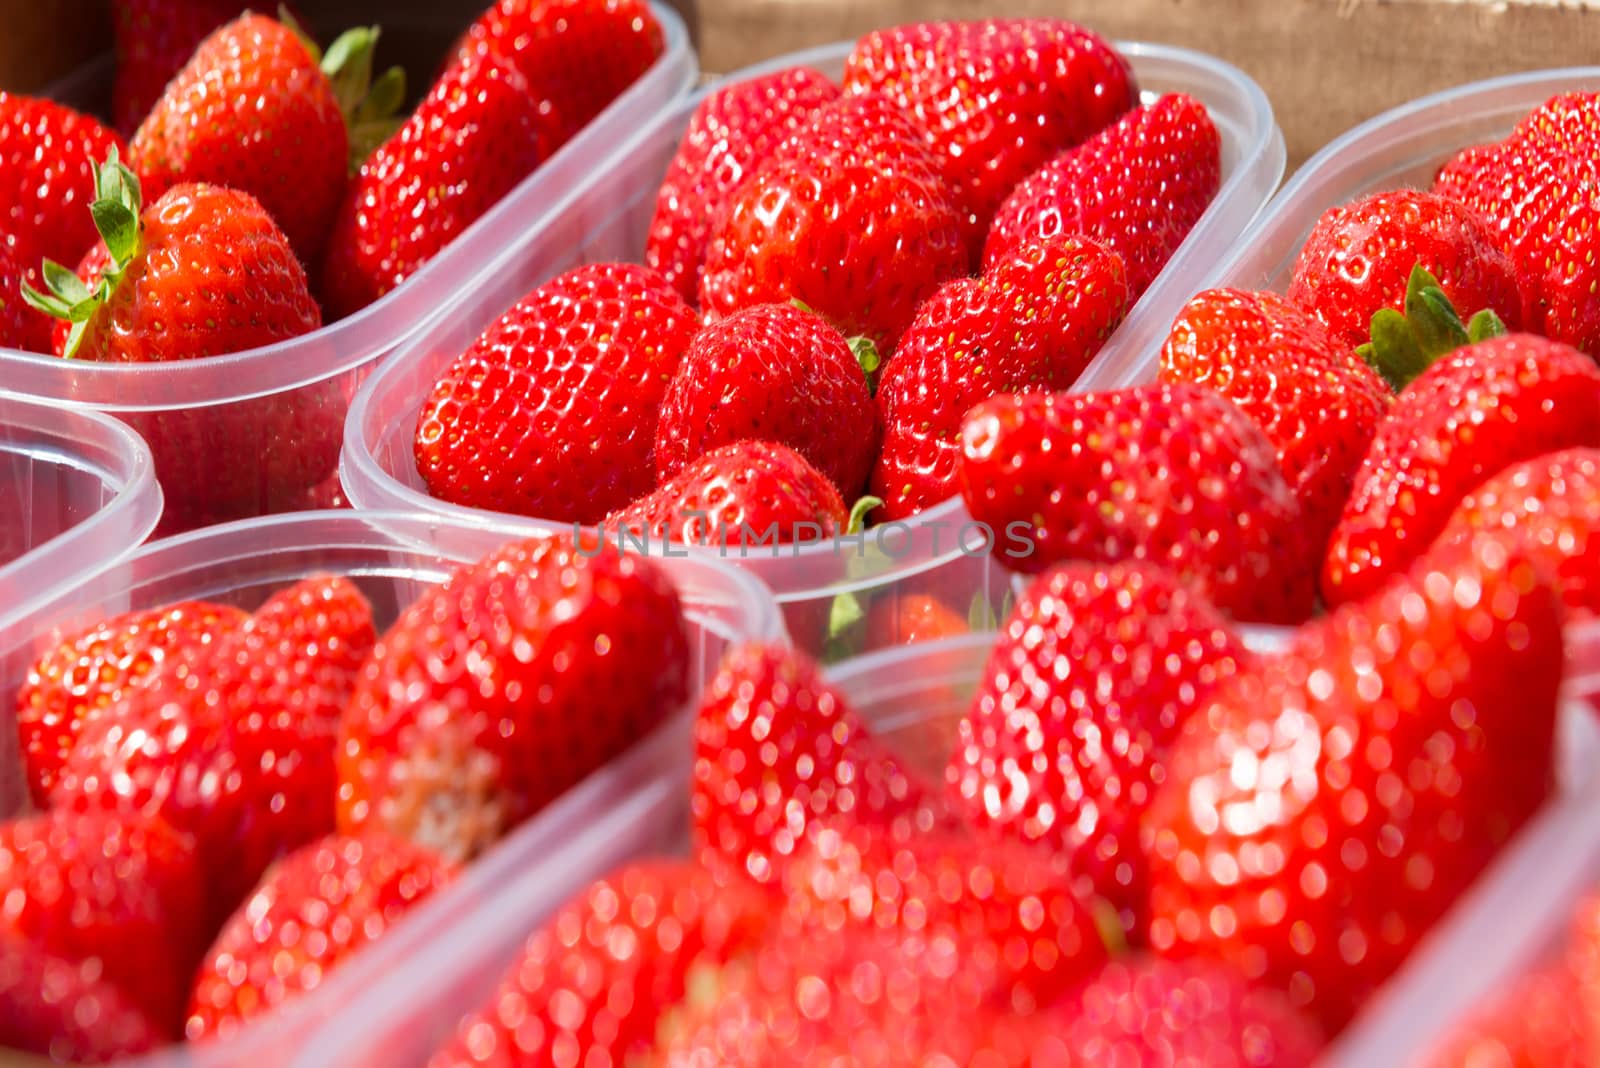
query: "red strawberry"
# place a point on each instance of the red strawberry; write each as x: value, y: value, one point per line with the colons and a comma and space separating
x: 48, y: 159
x: 1566, y: 124
x: 1317, y: 401
x: 505, y: 685
x: 1151, y: 1013
x: 577, y: 56
x: 122, y: 898
x: 1461, y: 173
x: 97, y: 668
x: 777, y: 372
x: 732, y: 131
x: 1170, y: 475
x: 1138, y: 186
x: 475, y: 136
x: 1472, y: 413
x: 1550, y: 506
x: 749, y: 492
x: 905, y: 619
x: 1359, y: 259
x: 778, y: 754
x: 154, y: 39
x: 995, y: 98
x: 254, y: 111
x: 313, y: 910
x: 16, y: 318
x: 1067, y: 739
x: 850, y: 215
x: 1031, y: 323
x: 232, y: 741
x: 611, y: 968
x: 1324, y: 810
x: 66, y: 1011
x: 552, y: 411
x: 1536, y: 1021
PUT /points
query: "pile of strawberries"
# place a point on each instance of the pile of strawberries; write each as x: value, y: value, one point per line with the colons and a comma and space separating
x: 227, y: 805
x: 833, y: 276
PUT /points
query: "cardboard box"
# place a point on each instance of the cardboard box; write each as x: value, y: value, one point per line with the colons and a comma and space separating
x: 1326, y: 64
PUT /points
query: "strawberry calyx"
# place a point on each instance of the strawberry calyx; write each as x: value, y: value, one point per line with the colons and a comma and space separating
x: 866, y: 354
x: 116, y: 207
x: 370, y: 106
x: 1405, y: 344
x: 859, y: 512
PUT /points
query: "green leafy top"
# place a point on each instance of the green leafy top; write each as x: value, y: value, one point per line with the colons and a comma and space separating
x: 371, y: 107
x: 116, y: 207
x: 1405, y: 345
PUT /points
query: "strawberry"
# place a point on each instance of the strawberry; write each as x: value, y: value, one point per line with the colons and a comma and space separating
x: 1323, y: 810
x: 611, y: 968
x: 120, y: 897
x: 778, y: 372
x: 477, y: 134
x: 1316, y: 400
x: 1146, y: 1012
x: 154, y: 40
x: 66, y: 1011
x: 1475, y: 411
x: 733, y: 130
x: 1068, y: 736
x: 778, y: 755
x: 995, y: 98
x: 1172, y: 475
x: 905, y: 619
x: 576, y: 56
x: 48, y: 157
x: 1536, y: 1021
x: 96, y: 668
x: 1137, y: 186
x: 16, y: 318
x: 552, y: 411
x: 850, y: 215
x: 232, y: 740
x: 314, y: 909
x: 254, y: 111
x: 504, y: 686
x: 1359, y: 257
x: 1566, y: 124
x: 748, y: 492
x: 1031, y: 323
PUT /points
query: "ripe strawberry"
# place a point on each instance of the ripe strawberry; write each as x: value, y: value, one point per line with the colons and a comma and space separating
x: 748, y: 492
x: 1067, y: 739
x: 1566, y: 124
x: 254, y: 110
x: 232, y: 740
x: 1172, y: 475
x: 97, y: 668
x: 905, y: 619
x: 1146, y: 1012
x: 1031, y: 323
x: 15, y: 315
x: 504, y: 686
x: 1323, y: 811
x: 48, y: 158
x: 123, y: 896
x: 552, y: 411
x: 850, y: 215
x: 154, y: 40
x: 1536, y: 1021
x: 611, y: 968
x: 1359, y: 258
x: 475, y: 136
x: 732, y: 131
x: 1317, y: 401
x: 66, y: 1011
x: 314, y: 909
x: 1138, y: 186
x: 778, y: 754
x: 577, y: 56
x: 995, y: 98
x: 777, y: 372
x: 1475, y: 411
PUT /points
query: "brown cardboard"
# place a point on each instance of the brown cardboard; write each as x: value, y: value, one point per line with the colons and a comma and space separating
x: 1325, y: 64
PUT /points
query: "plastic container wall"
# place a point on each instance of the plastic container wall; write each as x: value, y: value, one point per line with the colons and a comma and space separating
x: 259, y: 431
x: 392, y: 558
x: 938, y: 553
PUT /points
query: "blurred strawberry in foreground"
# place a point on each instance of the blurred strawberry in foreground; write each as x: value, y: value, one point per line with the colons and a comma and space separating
x: 508, y: 683
x: 1322, y: 808
x: 1538, y: 1021
x: 64, y: 1010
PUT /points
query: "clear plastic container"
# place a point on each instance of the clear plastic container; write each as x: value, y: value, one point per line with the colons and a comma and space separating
x: 77, y: 491
x: 392, y: 558
x: 936, y: 553
x: 914, y: 698
x: 215, y: 426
